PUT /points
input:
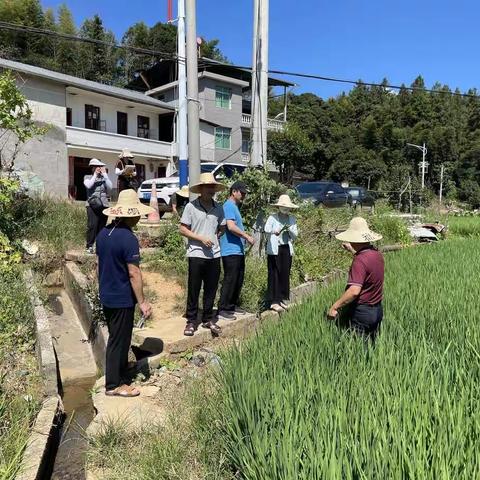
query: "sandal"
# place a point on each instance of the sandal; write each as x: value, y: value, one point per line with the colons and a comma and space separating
x: 214, y: 328
x: 123, y: 391
x: 277, y: 308
x: 189, y: 330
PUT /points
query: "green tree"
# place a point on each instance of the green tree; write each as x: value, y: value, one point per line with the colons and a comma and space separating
x: 67, y: 50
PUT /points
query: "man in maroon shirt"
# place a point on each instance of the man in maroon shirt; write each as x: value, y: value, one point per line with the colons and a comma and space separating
x: 364, y: 292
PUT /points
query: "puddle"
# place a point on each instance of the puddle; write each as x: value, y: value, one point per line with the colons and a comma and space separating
x: 70, y: 459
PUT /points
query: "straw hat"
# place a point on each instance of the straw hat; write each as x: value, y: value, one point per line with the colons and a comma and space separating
x: 128, y: 205
x: 207, y: 179
x: 183, y: 192
x: 358, y: 232
x: 95, y: 162
x: 284, y: 201
x: 126, y: 153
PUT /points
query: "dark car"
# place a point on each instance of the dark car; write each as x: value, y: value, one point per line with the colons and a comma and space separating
x: 361, y: 197
x: 328, y: 194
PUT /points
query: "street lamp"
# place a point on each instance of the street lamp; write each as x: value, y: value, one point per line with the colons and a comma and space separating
x: 423, y: 164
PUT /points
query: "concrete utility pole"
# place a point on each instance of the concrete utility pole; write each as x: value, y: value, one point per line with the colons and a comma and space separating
x: 423, y: 165
x: 258, y: 154
x: 182, y: 97
x: 192, y: 95
x: 441, y: 184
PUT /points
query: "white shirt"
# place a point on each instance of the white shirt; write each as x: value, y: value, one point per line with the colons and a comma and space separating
x: 274, y: 224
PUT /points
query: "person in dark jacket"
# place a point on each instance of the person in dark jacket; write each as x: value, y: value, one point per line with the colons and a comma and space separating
x: 98, y: 187
x: 126, y: 171
x: 363, y: 295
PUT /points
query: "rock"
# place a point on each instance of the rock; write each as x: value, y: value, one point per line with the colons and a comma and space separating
x: 54, y: 279
x: 30, y: 247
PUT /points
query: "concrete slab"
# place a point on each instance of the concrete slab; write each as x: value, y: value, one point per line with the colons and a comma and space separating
x: 131, y: 413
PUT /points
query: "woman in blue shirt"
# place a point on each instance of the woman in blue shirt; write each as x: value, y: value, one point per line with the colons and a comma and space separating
x: 282, y: 231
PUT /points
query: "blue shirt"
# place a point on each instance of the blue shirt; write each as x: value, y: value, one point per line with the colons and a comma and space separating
x: 231, y: 244
x: 117, y: 246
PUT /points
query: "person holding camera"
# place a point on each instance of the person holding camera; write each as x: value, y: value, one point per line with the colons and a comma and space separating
x: 98, y: 186
x: 281, y: 229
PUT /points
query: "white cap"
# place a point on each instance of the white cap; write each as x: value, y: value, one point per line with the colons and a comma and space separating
x: 95, y: 162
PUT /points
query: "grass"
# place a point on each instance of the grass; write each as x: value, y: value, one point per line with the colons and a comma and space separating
x: 19, y: 381
x: 308, y: 400
x: 464, y: 226
x: 305, y: 400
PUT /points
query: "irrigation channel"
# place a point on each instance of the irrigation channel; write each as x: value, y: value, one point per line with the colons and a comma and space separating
x: 77, y: 373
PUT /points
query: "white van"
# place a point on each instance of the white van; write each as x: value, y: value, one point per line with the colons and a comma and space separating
x: 167, y: 186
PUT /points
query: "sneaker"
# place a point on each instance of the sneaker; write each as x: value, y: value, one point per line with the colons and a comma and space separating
x: 89, y: 250
x: 224, y: 315
x: 277, y: 308
x: 240, y: 311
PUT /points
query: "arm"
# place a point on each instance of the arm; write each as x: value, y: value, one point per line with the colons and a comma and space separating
x: 351, y: 294
x: 137, y: 285
x: 118, y: 171
x: 232, y: 227
x: 186, y: 232
x: 88, y: 182
x: 108, y: 182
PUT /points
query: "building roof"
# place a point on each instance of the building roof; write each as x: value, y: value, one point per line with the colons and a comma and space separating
x: 71, y: 81
x: 164, y: 72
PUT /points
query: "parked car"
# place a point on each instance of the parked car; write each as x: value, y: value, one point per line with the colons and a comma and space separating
x: 328, y: 194
x: 361, y: 197
x: 167, y: 186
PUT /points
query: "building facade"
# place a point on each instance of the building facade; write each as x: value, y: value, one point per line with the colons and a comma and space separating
x: 90, y: 120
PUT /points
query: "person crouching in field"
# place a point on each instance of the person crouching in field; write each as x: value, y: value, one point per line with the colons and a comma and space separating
x: 364, y: 292
x: 282, y: 231
x: 202, y: 223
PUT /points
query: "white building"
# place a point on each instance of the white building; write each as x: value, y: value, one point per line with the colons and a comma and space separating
x: 89, y: 119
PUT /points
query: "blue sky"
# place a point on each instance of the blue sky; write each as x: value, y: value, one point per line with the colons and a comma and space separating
x: 367, y: 39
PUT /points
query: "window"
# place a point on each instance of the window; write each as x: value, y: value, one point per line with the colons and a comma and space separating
x: 92, y: 117
x: 143, y: 127
x: 223, y: 138
x: 161, y: 172
x: 245, y: 142
x: 122, y: 123
x: 69, y: 116
x: 223, y: 97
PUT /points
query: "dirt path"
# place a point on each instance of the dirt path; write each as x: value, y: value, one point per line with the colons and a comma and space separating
x: 165, y: 295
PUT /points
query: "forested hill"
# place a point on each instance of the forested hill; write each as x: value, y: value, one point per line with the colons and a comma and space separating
x: 87, y: 60
x: 363, y: 135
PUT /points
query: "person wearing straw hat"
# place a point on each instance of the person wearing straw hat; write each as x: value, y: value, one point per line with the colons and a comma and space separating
x: 98, y: 186
x: 202, y: 223
x: 120, y: 287
x: 281, y: 229
x: 179, y: 200
x: 364, y: 292
x: 126, y: 171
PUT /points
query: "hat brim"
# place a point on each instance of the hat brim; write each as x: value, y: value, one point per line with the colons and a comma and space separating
x: 358, y: 237
x: 182, y: 194
x: 126, y: 156
x: 291, y: 206
x: 197, y: 187
x: 128, y: 211
x: 99, y: 164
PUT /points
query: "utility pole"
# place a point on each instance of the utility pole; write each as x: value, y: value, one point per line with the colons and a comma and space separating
x: 423, y: 165
x: 441, y: 184
x: 192, y: 95
x: 182, y: 97
x: 258, y: 154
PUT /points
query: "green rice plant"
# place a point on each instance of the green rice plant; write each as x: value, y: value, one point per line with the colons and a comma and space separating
x: 307, y: 400
x: 464, y: 226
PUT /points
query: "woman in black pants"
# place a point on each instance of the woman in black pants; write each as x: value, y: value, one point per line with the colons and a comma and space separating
x: 281, y: 228
x: 98, y: 186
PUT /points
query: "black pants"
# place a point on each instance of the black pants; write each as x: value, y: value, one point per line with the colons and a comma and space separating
x: 233, y: 275
x: 279, y: 267
x: 366, y: 319
x: 204, y: 271
x: 96, y: 220
x: 120, y: 326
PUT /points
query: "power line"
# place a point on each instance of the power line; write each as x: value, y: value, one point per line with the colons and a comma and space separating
x: 206, y: 65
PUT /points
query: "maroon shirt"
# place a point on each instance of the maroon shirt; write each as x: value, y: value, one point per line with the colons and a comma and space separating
x: 367, y: 271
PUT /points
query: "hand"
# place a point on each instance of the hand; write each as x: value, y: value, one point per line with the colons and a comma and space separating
x: 332, y: 313
x: 146, y: 309
x: 250, y: 240
x: 278, y: 232
x: 348, y: 247
x: 207, y: 242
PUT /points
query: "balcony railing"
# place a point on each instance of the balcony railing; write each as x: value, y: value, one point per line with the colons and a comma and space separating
x: 272, y: 124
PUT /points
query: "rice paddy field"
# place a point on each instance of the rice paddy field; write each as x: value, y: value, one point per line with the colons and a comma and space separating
x: 308, y: 400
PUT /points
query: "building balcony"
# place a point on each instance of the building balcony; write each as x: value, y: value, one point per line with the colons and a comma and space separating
x: 113, y: 142
x: 272, y: 124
